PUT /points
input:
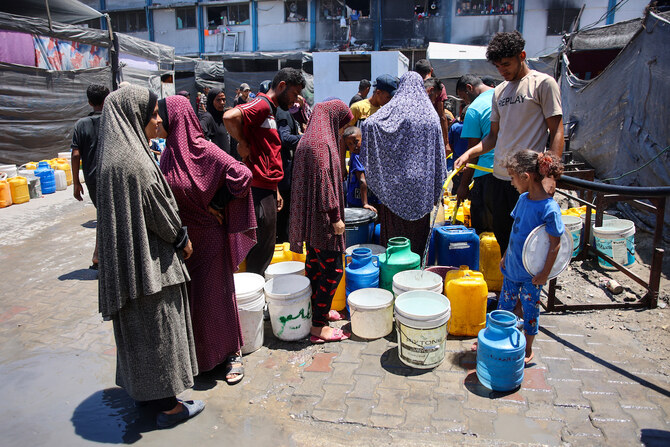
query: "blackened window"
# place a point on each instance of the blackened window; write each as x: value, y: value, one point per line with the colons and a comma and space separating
x: 129, y: 21
x: 354, y: 67
x: 559, y: 21
x: 185, y: 18
x: 484, y: 7
x: 228, y: 15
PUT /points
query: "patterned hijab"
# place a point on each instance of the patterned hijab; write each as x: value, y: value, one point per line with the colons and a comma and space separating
x: 137, y: 212
x: 316, y: 188
x: 196, y: 169
x: 403, y: 151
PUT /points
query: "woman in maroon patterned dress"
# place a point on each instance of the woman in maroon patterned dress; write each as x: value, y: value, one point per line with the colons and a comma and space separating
x: 196, y: 169
x: 317, y: 211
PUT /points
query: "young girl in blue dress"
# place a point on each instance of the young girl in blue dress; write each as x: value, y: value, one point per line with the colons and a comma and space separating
x: 534, y: 208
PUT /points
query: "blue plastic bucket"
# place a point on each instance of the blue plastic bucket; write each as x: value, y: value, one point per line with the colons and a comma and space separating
x: 616, y: 238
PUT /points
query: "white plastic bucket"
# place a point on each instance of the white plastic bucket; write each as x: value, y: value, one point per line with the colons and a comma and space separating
x: 616, y: 238
x: 416, y: 280
x: 371, y: 312
x: 284, y: 268
x: 27, y: 173
x: 250, y: 304
x: 573, y: 225
x: 422, y: 324
x: 582, y: 216
x: 10, y: 170
x: 290, y: 306
x: 61, y: 180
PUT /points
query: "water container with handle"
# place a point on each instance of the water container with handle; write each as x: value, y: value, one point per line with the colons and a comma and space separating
x: 282, y: 253
x: 47, y: 177
x: 5, y: 191
x: 489, y: 261
x: 500, y: 352
x: 460, y: 273
x: 362, y: 270
x: 61, y: 180
x: 64, y: 166
x: 340, y: 298
x: 398, y: 258
x: 457, y: 245
x: 19, y: 189
x: 468, y: 298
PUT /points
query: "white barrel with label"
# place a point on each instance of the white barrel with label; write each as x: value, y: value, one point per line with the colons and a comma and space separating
x: 616, y: 238
x: 371, y: 312
x: 284, y: 268
x: 290, y: 306
x: 416, y: 280
x: 573, y: 225
x: 250, y: 304
x: 422, y: 324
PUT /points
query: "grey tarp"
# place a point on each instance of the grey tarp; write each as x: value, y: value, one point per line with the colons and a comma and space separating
x: 209, y: 74
x: 620, y: 116
x: 63, y: 11
x: 143, y: 62
x: 38, y: 109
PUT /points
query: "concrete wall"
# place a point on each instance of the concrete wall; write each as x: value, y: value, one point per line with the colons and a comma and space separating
x: 326, y: 73
x: 184, y: 41
x: 478, y: 30
x: 274, y: 34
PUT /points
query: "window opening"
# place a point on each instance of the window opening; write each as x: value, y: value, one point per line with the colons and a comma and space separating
x: 185, y: 18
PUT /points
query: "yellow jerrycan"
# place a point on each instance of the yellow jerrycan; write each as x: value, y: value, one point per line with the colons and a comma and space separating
x: 282, y: 253
x: 489, y: 261
x: 463, y: 270
x: 19, y: 189
x: 340, y: 297
x: 467, y: 296
x: 5, y: 191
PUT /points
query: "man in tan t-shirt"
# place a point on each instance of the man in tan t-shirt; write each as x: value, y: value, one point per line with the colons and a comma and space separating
x: 525, y: 109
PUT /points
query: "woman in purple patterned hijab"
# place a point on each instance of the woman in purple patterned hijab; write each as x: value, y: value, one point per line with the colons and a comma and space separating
x: 405, y: 166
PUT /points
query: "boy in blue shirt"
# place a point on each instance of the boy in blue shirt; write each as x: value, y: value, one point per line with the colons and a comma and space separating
x: 358, y: 194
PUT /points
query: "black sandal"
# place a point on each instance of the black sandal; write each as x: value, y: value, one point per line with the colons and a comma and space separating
x: 230, y: 369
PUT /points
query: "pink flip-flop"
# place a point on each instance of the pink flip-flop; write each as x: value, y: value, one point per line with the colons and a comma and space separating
x: 334, y: 315
x: 338, y: 335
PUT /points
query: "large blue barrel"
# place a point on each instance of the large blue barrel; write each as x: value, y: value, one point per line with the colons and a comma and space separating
x: 359, y: 226
x: 47, y: 177
x: 363, y: 270
x: 501, y: 352
x: 457, y: 245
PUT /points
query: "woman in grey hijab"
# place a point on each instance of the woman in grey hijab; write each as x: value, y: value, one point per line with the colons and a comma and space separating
x: 142, y: 249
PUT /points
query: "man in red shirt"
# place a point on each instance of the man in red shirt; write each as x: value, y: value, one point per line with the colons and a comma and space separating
x: 254, y: 127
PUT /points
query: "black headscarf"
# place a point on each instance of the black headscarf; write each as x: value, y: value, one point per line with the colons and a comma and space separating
x: 150, y: 107
x: 211, y: 96
x: 162, y: 112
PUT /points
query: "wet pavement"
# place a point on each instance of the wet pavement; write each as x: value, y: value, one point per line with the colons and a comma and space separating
x: 57, y: 362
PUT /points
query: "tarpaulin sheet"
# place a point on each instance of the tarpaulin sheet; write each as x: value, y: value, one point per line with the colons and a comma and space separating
x: 209, y: 74
x: 63, y: 11
x: 163, y: 55
x: 620, y: 116
x: 38, y: 109
x: 33, y: 25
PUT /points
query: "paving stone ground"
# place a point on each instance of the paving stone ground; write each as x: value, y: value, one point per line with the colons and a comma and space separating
x: 57, y: 361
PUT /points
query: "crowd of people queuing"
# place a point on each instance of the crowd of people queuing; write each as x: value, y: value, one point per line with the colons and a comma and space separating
x: 233, y: 181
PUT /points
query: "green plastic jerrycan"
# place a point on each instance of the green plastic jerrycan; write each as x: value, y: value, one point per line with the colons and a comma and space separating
x: 398, y: 258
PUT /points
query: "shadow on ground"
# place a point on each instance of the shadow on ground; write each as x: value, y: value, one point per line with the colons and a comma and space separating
x: 110, y: 416
x: 80, y: 275
x: 90, y: 224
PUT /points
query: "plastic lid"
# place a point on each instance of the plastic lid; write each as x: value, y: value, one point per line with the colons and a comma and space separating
x: 422, y: 305
x: 355, y: 216
x: 370, y: 299
x: 246, y: 283
x: 417, y: 279
x: 535, y: 251
x: 284, y: 268
x: 286, y: 286
x: 615, y: 226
